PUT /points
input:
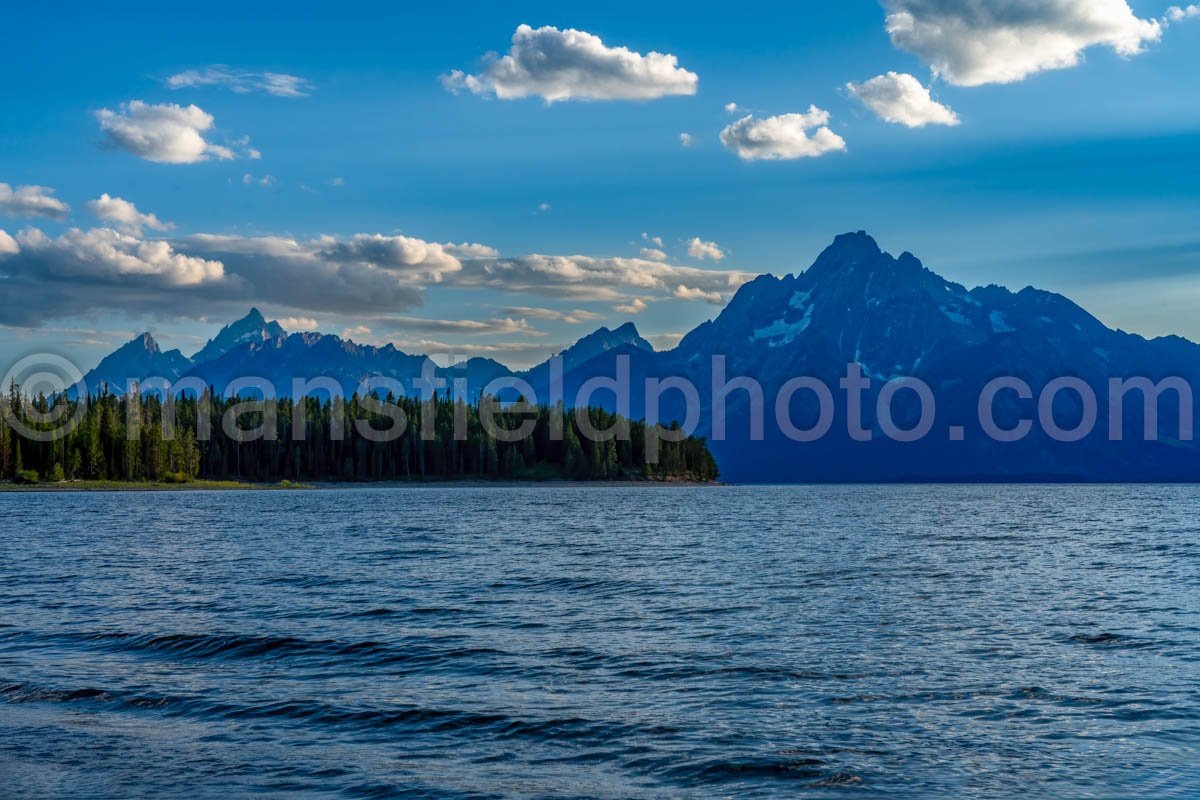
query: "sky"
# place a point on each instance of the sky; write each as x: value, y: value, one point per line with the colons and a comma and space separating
x: 500, y: 179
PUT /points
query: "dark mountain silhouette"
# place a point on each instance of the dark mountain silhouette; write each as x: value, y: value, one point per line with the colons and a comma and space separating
x: 250, y: 329
x: 136, y: 360
x: 855, y: 305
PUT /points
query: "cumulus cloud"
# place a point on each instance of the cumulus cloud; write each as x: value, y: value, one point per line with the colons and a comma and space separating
x: 686, y: 139
x: 636, y: 306
x: 241, y: 81
x: 697, y: 248
x: 1180, y: 13
x: 693, y: 293
x: 901, y: 99
x: 165, y: 133
x: 1002, y: 41
x: 591, y: 278
x: 125, y: 215
x: 573, y: 317
x: 426, y: 261
x: 108, y: 255
x: 367, y: 273
x: 653, y: 253
x: 731, y: 108
x: 471, y: 250
x: 654, y: 240
x: 573, y: 65
x: 783, y: 137
x: 31, y: 201
x: 366, y: 276
x: 298, y: 324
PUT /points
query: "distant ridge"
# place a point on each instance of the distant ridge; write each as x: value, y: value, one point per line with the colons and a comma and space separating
x: 856, y: 304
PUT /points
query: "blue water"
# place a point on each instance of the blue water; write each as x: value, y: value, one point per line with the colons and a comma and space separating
x: 643, y: 642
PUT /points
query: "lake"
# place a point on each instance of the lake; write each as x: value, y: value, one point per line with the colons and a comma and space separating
x: 609, y: 642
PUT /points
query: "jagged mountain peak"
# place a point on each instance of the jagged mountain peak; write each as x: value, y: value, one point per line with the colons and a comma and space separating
x: 606, y: 339
x: 855, y: 259
x: 144, y: 342
x: 252, y: 328
x: 136, y: 360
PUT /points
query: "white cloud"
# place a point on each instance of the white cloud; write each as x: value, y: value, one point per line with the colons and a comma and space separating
x: 103, y: 269
x: 125, y: 215
x: 471, y: 250
x: 357, y: 330
x: 901, y: 99
x: 783, y: 137
x: 363, y: 277
x: 1179, y: 14
x: 276, y: 83
x: 686, y: 139
x: 635, y: 306
x: 573, y: 65
x: 337, y: 181
x: 1002, y: 41
x: 266, y: 181
x: 654, y: 240
x: 692, y: 293
x: 590, y: 278
x: 731, y: 108
x: 697, y: 248
x: 543, y: 208
x: 653, y: 253
x: 165, y: 133
x: 108, y: 255
x: 573, y: 317
x: 298, y: 324
x: 427, y: 260
x: 31, y: 201
x: 366, y: 273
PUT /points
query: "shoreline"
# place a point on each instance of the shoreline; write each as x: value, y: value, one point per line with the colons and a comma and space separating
x: 240, y: 486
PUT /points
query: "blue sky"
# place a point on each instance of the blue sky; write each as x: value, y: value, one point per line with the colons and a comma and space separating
x: 1081, y: 179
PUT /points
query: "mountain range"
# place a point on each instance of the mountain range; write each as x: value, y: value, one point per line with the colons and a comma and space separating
x: 856, y: 305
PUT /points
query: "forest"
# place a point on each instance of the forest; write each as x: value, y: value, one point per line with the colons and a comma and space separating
x: 144, y: 438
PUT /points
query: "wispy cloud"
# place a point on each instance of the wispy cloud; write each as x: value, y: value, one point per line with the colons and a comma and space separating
x: 575, y: 316
x: 242, y: 81
x: 265, y: 181
x: 505, y: 325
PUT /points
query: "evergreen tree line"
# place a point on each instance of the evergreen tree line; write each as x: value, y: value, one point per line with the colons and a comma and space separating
x: 144, y: 438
